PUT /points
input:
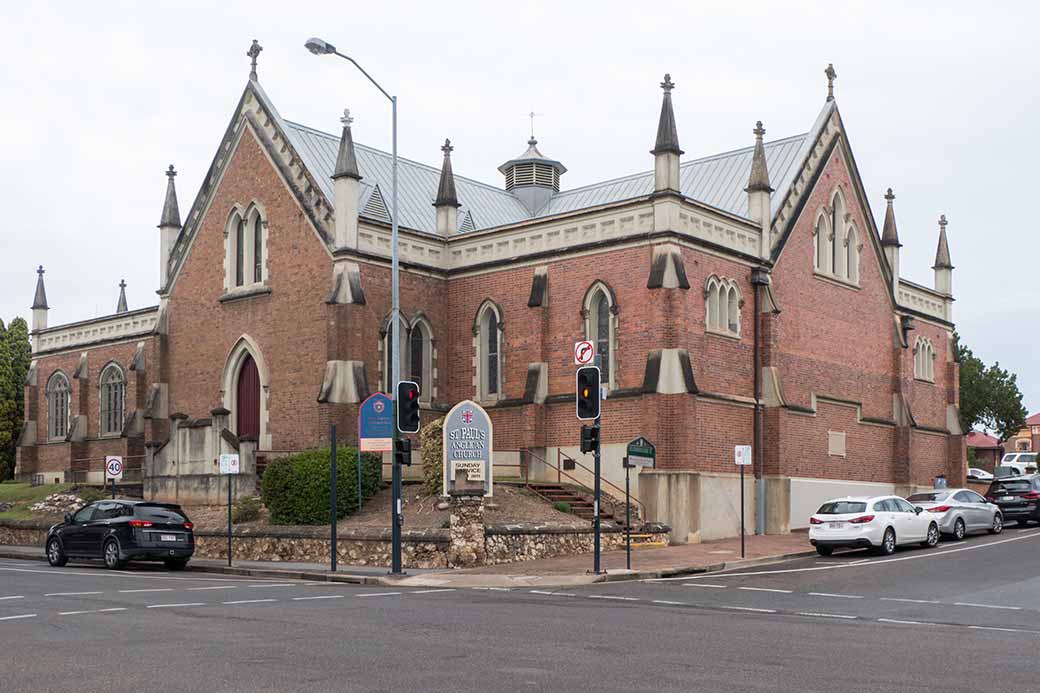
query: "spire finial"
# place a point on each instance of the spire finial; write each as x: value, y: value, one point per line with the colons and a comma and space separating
x: 889, y: 196
x: 170, y: 172
x: 942, y: 253
x: 942, y: 221
x: 253, y: 52
x: 446, y: 194
x: 532, y: 115
x: 121, y: 305
x: 346, y: 159
x: 39, y: 270
x: 831, y: 74
x: 667, y: 134
x: 667, y: 85
x: 759, y: 178
x: 889, y: 233
x: 759, y: 130
x: 447, y: 148
x: 171, y: 214
x: 40, y: 298
x: 347, y: 120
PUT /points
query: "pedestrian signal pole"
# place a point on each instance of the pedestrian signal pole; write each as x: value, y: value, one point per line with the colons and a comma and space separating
x: 587, y: 397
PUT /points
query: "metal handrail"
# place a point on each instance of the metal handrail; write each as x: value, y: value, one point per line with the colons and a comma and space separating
x: 621, y: 491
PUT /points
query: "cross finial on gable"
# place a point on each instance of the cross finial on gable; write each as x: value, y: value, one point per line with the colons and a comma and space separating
x: 447, y: 148
x: 170, y: 172
x: 39, y: 270
x: 831, y: 74
x: 667, y: 84
x: 122, y: 283
x: 253, y: 52
x: 346, y: 119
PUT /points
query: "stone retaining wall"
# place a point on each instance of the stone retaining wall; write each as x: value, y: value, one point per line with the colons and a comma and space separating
x: 371, y: 547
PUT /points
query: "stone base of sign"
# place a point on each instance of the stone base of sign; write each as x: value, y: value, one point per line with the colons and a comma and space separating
x: 466, y: 530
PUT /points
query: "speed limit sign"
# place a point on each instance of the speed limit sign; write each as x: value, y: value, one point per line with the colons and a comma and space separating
x: 113, y: 468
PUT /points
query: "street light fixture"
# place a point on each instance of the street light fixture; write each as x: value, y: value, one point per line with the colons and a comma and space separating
x: 319, y: 46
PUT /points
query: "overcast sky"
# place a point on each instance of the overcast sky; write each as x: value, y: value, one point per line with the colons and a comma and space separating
x: 96, y: 99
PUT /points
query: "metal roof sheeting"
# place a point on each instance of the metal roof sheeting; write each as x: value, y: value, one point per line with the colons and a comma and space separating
x: 717, y: 181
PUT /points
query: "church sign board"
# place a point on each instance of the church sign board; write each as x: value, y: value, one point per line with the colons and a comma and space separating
x: 375, y: 424
x: 467, y: 439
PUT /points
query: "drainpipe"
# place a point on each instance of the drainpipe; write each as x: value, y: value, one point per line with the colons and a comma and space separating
x: 759, y: 279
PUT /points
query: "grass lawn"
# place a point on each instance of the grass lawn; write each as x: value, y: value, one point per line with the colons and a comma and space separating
x: 24, y: 495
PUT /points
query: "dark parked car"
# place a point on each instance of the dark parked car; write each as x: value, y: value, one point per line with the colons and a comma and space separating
x: 1018, y: 497
x: 118, y: 531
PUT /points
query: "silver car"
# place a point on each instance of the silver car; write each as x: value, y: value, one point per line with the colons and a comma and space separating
x: 959, y: 511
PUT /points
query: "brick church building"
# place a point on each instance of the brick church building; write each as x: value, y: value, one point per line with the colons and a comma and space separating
x: 746, y: 297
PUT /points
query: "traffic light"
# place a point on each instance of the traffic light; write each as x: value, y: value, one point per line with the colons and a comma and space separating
x: 403, y: 451
x: 587, y: 382
x: 407, y: 407
x: 589, y: 438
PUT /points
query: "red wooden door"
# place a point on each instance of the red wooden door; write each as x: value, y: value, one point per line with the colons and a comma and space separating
x: 248, y: 399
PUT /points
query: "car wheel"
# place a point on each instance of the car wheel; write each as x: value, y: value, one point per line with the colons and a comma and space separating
x: 958, y: 529
x: 888, y: 543
x: 933, y: 536
x: 825, y: 550
x: 111, y: 554
x: 998, y: 524
x: 175, y: 563
x: 55, y: 554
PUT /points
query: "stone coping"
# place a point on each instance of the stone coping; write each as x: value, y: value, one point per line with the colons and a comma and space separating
x: 605, y: 528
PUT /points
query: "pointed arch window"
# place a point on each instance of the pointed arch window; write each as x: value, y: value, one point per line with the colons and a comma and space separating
x: 258, y: 250
x: 245, y: 248
x: 600, y: 311
x: 488, y: 333
x: 852, y: 255
x: 240, y: 252
x: 57, y: 406
x: 924, y: 360
x: 837, y: 237
x: 820, y: 233
x: 420, y: 358
x: 722, y: 306
x: 112, y: 387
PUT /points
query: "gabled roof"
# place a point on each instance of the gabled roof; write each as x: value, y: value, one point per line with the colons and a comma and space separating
x: 717, y: 181
x: 1033, y: 420
x: 977, y: 439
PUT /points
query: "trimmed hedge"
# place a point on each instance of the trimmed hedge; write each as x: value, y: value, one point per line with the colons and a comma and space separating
x: 431, y: 443
x: 295, y: 489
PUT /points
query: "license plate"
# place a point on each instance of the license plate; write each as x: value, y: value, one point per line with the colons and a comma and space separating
x: 167, y: 537
x: 1007, y: 498
x: 836, y: 525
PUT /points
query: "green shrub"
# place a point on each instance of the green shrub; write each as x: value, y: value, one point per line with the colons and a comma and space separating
x: 91, y: 494
x: 432, y: 455
x: 295, y: 489
x: 562, y: 507
x: 246, y: 509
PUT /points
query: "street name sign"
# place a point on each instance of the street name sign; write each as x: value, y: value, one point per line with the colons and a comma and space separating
x: 640, y: 453
x: 468, y: 444
x: 376, y: 424
x: 742, y: 455
x: 229, y: 463
x: 113, y: 468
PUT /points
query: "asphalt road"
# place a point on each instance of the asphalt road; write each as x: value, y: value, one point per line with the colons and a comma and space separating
x: 965, y: 616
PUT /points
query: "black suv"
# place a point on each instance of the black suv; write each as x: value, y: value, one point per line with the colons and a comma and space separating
x: 118, y: 531
x: 1018, y: 497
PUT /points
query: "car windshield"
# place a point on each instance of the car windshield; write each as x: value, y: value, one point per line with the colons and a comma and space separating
x: 160, y: 513
x: 841, y: 508
x: 930, y: 497
x: 1017, y: 486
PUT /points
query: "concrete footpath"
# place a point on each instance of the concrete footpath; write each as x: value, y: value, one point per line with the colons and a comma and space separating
x: 549, y: 572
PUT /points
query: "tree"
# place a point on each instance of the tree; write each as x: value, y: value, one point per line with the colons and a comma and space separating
x: 989, y: 395
x: 15, y: 357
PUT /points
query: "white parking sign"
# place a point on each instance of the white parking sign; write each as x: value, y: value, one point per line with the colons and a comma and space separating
x: 229, y: 464
x: 113, y: 468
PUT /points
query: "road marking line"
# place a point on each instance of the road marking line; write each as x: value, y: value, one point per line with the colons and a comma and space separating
x: 910, y: 601
x: 765, y: 589
x: 155, y: 589
x: 443, y: 589
x: 17, y: 596
x: 214, y: 587
x: 859, y: 562
x: 116, y: 608
x: 378, y: 594
x: 1006, y: 630
x: 322, y: 596
x: 988, y: 606
x: 750, y: 608
x: 664, y: 601
x: 12, y: 618
x: 554, y: 594
x: 865, y: 562
x: 281, y: 584
x: 251, y: 601
x: 90, y: 611
x: 704, y: 584
x: 838, y: 596
x: 119, y: 575
x: 171, y: 606
x: 614, y: 597
x: 819, y: 615
x: 492, y: 589
x: 69, y: 594
x: 904, y: 623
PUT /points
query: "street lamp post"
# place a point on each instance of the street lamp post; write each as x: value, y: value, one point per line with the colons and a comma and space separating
x: 319, y: 47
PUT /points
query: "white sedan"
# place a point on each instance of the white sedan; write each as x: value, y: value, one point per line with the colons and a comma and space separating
x: 878, y: 522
